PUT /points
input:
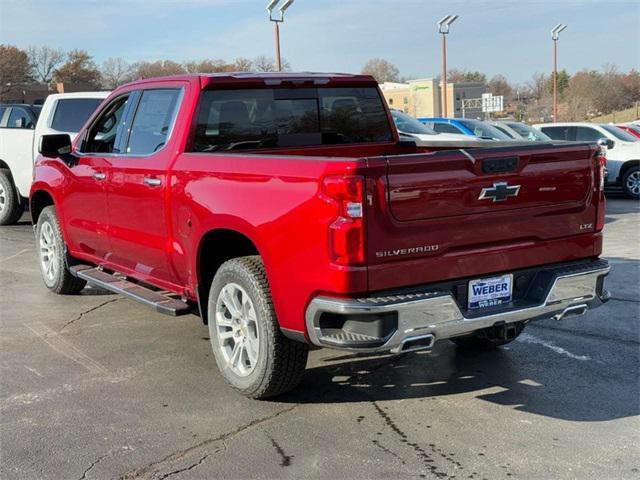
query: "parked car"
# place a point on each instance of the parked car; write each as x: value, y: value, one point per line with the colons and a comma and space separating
x: 289, y: 216
x: 623, y: 155
x: 520, y: 131
x: 631, y: 129
x: 21, y: 127
x: 410, y: 128
x: 465, y: 126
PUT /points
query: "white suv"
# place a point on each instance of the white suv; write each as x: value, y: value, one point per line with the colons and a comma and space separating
x: 20, y: 135
x: 623, y: 156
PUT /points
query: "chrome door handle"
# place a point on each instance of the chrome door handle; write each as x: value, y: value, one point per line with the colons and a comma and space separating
x: 99, y: 176
x: 152, y: 182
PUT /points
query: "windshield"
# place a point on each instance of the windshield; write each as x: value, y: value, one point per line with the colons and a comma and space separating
x: 620, y: 134
x: 407, y: 124
x: 484, y: 130
x: 528, y: 132
x: 286, y: 117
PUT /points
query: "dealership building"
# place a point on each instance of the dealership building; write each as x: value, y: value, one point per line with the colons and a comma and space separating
x: 422, y: 97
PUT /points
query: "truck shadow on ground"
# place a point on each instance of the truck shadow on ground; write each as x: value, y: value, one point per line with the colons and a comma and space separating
x: 515, y: 378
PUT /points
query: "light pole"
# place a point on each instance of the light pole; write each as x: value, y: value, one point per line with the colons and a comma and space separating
x: 276, y: 22
x: 555, y: 34
x: 443, y: 28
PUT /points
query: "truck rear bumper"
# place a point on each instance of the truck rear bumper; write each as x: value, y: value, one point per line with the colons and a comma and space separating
x: 413, y: 321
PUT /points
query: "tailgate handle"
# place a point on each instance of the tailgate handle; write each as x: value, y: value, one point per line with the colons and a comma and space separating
x: 497, y: 165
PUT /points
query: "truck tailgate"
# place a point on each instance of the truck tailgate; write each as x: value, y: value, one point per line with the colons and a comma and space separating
x: 457, y: 213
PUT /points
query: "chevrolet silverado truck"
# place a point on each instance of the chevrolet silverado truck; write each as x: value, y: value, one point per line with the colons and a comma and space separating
x: 286, y: 212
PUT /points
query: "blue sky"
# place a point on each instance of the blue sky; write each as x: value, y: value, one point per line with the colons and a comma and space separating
x: 508, y: 37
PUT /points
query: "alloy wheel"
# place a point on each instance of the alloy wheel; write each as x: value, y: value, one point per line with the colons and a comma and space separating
x: 633, y: 183
x: 48, y: 252
x: 237, y: 329
x: 3, y: 198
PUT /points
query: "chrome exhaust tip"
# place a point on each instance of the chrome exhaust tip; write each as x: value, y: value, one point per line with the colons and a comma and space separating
x: 573, y: 311
x: 413, y: 344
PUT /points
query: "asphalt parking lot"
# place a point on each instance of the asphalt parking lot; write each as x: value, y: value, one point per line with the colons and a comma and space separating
x: 96, y: 386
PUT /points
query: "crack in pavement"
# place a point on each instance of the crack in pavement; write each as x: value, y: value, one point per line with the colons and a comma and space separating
x: 190, y: 467
x: 624, y: 299
x: 84, y: 474
x: 585, y: 334
x: 285, y: 460
x: 150, y: 471
x: 92, y: 309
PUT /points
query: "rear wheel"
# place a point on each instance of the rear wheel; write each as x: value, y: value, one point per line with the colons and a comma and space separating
x: 10, y: 208
x: 631, y: 182
x: 489, y: 338
x: 52, y: 253
x: 251, y: 352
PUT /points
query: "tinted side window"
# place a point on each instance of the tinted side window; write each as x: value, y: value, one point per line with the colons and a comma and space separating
x: 557, y: 133
x: 445, y: 128
x: 586, y: 134
x: 153, y: 119
x: 2, y: 110
x: 104, y: 134
x: 19, y: 118
x: 71, y: 113
x: 505, y: 131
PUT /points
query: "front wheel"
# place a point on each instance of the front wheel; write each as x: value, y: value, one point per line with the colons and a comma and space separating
x: 251, y: 352
x: 631, y: 182
x: 52, y: 253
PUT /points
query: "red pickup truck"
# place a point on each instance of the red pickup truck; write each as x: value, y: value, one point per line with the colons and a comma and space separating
x: 286, y: 212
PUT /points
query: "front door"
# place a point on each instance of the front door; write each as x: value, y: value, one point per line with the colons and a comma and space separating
x: 84, y: 204
x: 138, y: 186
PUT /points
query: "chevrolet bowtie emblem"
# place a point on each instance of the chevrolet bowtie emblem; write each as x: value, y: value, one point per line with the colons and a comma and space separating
x: 499, y: 192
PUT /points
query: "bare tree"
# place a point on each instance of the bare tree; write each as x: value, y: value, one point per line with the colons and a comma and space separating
x: 79, y: 68
x: 462, y: 76
x: 264, y: 64
x: 44, y: 61
x: 161, y: 68
x: 15, y: 68
x: 382, y: 70
x: 115, y: 72
x: 242, y: 64
x: 208, y: 66
x: 498, y: 85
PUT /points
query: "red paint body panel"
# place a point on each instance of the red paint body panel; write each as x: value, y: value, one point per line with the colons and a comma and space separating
x: 413, y: 198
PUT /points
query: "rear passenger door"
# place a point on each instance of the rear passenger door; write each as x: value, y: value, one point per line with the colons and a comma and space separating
x: 138, y: 225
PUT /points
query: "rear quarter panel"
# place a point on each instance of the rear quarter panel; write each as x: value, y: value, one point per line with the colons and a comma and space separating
x: 276, y: 202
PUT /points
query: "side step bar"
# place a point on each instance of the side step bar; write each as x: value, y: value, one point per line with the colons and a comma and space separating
x: 161, y: 303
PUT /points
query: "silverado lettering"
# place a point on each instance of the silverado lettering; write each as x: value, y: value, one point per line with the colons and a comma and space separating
x: 407, y: 251
x: 241, y: 198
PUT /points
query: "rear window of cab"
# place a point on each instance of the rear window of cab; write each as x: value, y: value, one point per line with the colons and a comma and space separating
x: 284, y: 117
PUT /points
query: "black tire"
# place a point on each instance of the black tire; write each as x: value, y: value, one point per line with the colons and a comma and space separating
x: 10, y: 208
x: 630, y: 184
x: 485, y: 339
x: 59, y: 278
x: 280, y: 362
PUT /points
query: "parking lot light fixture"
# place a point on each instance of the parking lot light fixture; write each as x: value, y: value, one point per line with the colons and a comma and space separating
x: 555, y: 34
x: 443, y: 29
x: 277, y: 20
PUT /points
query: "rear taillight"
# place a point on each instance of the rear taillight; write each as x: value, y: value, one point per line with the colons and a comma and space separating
x: 602, y: 175
x: 346, y: 232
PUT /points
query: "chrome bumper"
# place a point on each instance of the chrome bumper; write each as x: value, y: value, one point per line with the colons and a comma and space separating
x: 423, y: 318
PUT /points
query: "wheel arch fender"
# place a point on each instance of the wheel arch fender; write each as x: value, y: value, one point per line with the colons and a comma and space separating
x: 231, y: 237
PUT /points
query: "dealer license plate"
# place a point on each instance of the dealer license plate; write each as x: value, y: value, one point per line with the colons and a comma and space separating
x: 489, y: 292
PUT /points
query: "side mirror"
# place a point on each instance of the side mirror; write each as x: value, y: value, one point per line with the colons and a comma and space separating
x: 606, y: 142
x: 55, y: 145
